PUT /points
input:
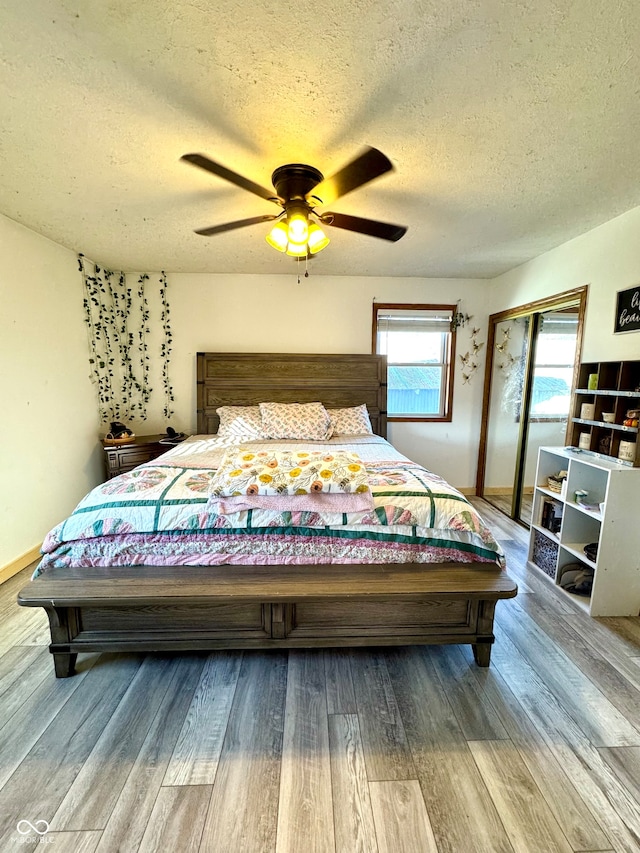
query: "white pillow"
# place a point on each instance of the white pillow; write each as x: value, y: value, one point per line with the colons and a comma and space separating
x: 352, y: 421
x: 241, y: 421
x: 303, y: 421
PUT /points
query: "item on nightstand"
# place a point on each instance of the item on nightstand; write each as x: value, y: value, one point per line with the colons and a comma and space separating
x: 119, y: 434
x: 172, y: 437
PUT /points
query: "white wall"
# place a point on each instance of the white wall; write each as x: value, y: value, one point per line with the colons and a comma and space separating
x: 233, y: 313
x: 607, y: 259
x: 49, y: 453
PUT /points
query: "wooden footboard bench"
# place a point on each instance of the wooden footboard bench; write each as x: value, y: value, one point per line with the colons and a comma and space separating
x: 247, y: 607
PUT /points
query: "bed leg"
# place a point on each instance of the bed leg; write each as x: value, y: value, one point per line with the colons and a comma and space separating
x: 64, y: 663
x: 482, y: 653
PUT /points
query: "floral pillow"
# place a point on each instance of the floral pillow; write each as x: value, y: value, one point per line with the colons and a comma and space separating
x: 243, y: 421
x: 352, y: 421
x: 304, y: 421
x: 289, y: 472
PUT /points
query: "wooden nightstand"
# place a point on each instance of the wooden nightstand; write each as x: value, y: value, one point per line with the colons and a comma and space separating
x: 124, y: 457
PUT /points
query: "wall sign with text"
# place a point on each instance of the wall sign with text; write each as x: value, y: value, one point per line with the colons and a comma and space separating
x: 628, y: 310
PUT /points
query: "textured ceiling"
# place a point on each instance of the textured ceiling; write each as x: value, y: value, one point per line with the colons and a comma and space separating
x: 513, y: 126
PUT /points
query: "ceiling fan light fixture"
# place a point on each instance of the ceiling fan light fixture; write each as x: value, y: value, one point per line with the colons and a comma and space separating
x: 297, y: 250
x: 278, y: 237
x: 317, y: 239
x: 298, y: 222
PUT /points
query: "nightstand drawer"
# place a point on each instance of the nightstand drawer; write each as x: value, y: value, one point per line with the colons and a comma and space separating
x: 123, y: 458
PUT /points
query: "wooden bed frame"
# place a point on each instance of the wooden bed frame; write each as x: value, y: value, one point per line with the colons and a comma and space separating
x: 246, y: 607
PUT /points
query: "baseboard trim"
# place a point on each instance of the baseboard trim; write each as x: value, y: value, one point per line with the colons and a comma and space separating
x: 19, y: 563
x: 468, y: 490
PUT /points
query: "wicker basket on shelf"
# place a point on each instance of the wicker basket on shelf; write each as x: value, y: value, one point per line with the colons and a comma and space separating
x: 554, y: 484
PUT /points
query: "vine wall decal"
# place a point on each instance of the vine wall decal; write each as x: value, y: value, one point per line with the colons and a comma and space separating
x: 118, y: 318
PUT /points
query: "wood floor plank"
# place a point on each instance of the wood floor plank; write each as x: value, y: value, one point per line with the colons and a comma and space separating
x: 27, y: 724
x: 177, y: 819
x: 476, y: 717
x: 621, y: 688
x: 353, y: 817
x: 593, y: 633
x: 462, y: 814
x: 24, y: 626
x: 243, y: 814
x: 601, y: 633
x: 127, y: 823
x: 341, y: 698
x: 95, y: 791
x: 616, y: 811
x: 627, y: 628
x: 571, y: 812
x: 527, y: 818
x: 75, y: 842
x: 604, y: 725
x: 31, y: 670
x: 305, y: 816
x: 401, y: 819
x: 625, y: 763
x: 197, y: 752
x: 14, y: 662
x: 61, y: 739
x: 10, y: 588
x: 386, y: 751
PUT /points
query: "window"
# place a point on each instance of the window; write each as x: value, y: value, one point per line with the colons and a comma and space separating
x: 554, y: 365
x: 420, y: 347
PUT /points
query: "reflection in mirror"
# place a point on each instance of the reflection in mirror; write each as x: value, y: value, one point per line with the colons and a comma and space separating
x: 555, y: 356
x: 505, y: 403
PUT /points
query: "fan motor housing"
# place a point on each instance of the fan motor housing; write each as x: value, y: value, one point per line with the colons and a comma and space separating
x: 295, y: 180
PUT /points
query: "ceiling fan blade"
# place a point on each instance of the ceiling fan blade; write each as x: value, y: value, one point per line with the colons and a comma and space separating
x: 367, y: 166
x: 230, y: 226
x: 222, y: 172
x: 383, y: 230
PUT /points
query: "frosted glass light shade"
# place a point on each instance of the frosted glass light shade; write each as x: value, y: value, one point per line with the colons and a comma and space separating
x: 298, y: 227
x: 278, y: 237
x: 317, y: 239
x: 297, y: 250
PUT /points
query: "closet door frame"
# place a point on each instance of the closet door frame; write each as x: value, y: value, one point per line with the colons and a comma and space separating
x: 533, y: 310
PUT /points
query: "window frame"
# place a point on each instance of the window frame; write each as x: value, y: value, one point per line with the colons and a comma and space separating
x: 448, y: 368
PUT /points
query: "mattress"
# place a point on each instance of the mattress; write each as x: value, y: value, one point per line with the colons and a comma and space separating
x: 163, y: 513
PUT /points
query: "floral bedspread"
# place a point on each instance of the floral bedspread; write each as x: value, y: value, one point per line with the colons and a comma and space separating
x: 161, y: 513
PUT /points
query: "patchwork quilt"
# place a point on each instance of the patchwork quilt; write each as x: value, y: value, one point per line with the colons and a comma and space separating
x: 168, y: 513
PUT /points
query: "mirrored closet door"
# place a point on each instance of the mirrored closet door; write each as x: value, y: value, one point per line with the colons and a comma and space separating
x: 532, y: 359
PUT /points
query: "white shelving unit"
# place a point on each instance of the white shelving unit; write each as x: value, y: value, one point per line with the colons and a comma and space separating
x: 611, y: 486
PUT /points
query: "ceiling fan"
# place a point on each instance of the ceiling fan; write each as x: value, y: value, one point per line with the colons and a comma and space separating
x: 299, y: 189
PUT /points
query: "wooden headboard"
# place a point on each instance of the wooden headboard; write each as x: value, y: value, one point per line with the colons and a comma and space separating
x: 246, y: 379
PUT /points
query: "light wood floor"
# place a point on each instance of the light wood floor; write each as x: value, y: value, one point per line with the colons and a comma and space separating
x: 408, y: 750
